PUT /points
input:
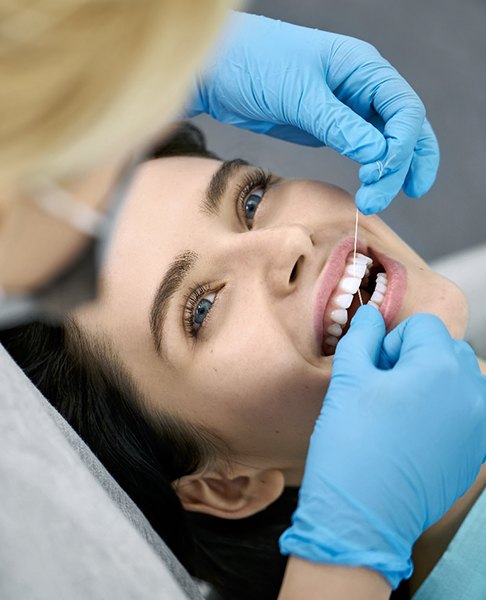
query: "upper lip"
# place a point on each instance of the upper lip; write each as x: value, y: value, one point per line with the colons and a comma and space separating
x: 328, y: 279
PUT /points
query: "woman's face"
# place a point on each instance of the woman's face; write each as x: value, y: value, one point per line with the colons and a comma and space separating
x: 218, y: 291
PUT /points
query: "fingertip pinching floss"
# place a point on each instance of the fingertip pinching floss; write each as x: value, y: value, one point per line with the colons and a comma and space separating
x: 381, y: 166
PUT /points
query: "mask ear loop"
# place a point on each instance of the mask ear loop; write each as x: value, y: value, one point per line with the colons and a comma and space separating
x: 60, y: 204
x: 354, y: 252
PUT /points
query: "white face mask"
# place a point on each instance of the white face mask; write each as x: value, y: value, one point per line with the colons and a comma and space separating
x: 78, y: 283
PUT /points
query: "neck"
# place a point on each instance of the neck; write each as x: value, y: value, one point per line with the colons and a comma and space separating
x: 433, y: 542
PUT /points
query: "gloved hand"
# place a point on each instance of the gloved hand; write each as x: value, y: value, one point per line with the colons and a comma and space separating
x: 317, y: 88
x: 401, y: 436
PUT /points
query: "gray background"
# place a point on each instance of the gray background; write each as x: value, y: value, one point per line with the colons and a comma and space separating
x: 439, y: 46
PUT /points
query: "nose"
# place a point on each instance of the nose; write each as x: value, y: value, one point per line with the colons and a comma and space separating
x: 276, y: 255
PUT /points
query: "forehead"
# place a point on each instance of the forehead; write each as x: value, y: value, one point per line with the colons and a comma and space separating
x: 162, y: 206
x: 169, y: 182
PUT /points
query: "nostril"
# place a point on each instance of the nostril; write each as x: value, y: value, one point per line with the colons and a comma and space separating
x: 293, y: 274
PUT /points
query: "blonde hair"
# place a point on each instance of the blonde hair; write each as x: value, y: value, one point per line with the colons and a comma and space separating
x: 82, y: 81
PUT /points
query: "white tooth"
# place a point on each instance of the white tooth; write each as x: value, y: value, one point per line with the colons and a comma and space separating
x: 381, y: 276
x: 343, y: 300
x: 367, y: 259
x: 380, y: 287
x: 340, y: 316
x: 359, y: 260
x: 331, y: 341
x: 355, y: 270
x: 335, y: 329
x: 371, y: 303
x: 377, y: 297
x: 350, y: 284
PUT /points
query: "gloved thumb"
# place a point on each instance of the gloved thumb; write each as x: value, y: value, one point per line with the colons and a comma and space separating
x: 361, y: 346
x: 421, y: 337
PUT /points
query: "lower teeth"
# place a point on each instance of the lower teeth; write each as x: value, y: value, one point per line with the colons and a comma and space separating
x: 340, y: 315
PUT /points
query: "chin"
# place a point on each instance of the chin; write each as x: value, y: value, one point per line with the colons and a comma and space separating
x: 450, y: 305
x: 456, y: 316
x: 457, y: 322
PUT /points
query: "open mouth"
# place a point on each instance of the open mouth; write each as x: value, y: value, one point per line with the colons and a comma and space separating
x: 364, y: 280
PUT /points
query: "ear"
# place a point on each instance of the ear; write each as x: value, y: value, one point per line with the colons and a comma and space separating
x: 242, y: 494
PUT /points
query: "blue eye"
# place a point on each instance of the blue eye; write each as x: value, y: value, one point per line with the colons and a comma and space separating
x: 250, y: 193
x: 201, y: 311
x: 251, y: 203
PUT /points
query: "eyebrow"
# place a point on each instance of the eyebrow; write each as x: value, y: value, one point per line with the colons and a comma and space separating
x: 218, y: 185
x: 183, y: 263
x: 177, y: 272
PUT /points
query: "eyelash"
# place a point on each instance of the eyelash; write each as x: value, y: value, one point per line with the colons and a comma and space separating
x: 256, y: 179
x: 190, y: 305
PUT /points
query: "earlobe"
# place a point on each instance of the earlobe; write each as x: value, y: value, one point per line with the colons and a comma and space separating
x: 230, y: 497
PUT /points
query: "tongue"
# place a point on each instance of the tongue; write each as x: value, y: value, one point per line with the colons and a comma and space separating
x: 355, y: 304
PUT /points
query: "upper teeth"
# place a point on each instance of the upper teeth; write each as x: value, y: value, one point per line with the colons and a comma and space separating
x: 350, y: 284
x: 343, y: 300
x: 357, y: 269
x: 355, y: 272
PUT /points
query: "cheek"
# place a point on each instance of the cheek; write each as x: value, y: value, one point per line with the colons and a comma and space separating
x: 427, y: 292
x: 260, y: 396
x: 431, y: 293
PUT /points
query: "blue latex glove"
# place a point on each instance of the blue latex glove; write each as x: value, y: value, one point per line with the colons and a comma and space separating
x: 317, y: 88
x: 401, y: 436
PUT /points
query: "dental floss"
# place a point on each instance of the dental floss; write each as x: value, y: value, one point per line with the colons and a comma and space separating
x: 382, y: 166
x: 354, y: 252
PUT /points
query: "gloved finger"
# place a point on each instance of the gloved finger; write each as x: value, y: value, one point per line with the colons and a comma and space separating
x: 375, y: 197
x: 289, y: 133
x: 425, y: 163
x: 392, y: 346
x: 362, y: 343
x: 467, y: 355
x: 421, y: 338
x: 339, y: 127
x: 403, y: 113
